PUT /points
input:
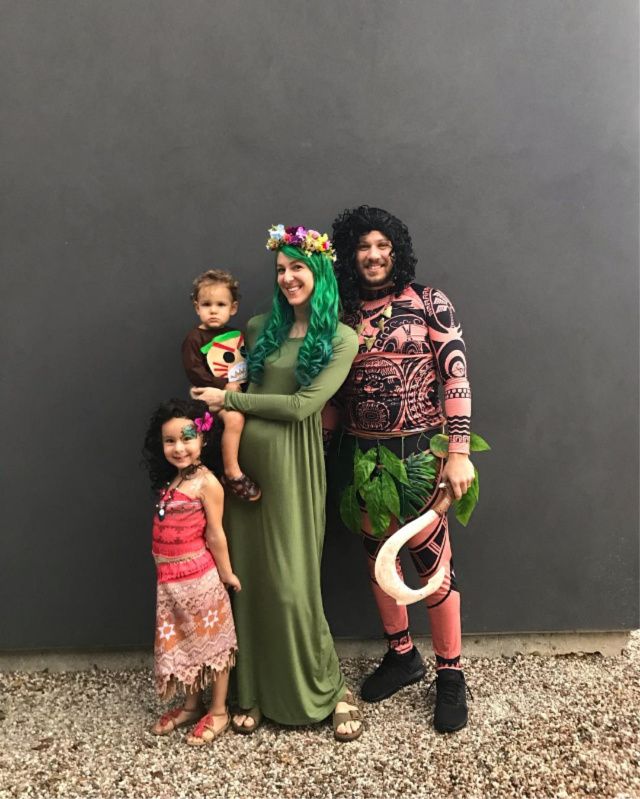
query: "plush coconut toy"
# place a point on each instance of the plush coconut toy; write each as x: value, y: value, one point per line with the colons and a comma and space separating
x: 226, y: 356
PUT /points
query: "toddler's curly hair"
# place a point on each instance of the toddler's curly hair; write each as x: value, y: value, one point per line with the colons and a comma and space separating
x: 213, y: 277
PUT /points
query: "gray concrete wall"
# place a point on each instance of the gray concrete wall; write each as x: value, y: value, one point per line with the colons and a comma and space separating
x: 145, y: 140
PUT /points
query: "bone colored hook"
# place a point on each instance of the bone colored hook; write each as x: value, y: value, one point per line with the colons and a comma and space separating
x: 386, y: 574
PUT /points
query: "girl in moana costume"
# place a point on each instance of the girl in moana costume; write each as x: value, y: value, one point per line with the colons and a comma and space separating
x: 195, y: 642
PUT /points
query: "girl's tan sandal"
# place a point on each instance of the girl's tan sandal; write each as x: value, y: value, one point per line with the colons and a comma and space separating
x: 168, y: 721
x: 205, y: 732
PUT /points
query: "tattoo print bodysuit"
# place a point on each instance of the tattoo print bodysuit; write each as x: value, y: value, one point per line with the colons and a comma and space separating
x: 408, y: 345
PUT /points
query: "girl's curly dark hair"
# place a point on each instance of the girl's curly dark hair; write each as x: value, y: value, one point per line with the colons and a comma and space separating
x: 347, y: 229
x: 159, y: 468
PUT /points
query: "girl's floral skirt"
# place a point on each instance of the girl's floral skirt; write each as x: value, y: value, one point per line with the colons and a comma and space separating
x: 195, y: 635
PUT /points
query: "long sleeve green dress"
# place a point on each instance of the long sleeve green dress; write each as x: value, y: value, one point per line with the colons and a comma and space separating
x: 287, y: 664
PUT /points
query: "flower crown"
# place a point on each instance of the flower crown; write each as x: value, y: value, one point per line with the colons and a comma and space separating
x: 310, y: 241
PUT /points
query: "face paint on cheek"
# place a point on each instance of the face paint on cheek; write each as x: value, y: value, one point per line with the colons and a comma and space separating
x: 189, y: 432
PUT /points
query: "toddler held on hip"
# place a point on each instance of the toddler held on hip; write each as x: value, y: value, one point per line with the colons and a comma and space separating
x: 195, y: 642
x: 213, y: 356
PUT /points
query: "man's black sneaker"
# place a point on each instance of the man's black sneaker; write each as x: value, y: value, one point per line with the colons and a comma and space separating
x: 394, y: 672
x: 451, y: 700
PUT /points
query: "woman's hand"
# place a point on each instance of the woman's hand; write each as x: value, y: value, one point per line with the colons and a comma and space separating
x: 231, y: 581
x: 458, y: 472
x: 214, y: 397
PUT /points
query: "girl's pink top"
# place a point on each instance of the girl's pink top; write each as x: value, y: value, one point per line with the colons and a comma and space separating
x: 179, y: 545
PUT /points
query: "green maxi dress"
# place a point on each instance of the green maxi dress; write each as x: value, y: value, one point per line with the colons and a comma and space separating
x: 287, y: 664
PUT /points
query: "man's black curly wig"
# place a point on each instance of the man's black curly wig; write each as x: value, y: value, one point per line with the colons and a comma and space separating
x: 159, y: 468
x: 347, y: 229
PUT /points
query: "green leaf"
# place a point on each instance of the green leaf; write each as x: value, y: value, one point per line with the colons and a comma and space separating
x: 379, y: 516
x: 465, y: 506
x: 381, y: 524
x: 350, y: 509
x: 362, y: 472
x: 421, y: 474
x: 372, y: 455
x: 390, y: 494
x: 367, y: 487
x: 410, y: 506
x: 439, y: 445
x: 393, y: 464
x: 478, y: 444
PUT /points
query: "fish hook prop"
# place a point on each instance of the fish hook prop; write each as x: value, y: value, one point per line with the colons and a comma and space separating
x: 386, y: 573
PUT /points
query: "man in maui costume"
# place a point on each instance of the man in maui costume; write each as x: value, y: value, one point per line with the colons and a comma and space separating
x: 409, y: 342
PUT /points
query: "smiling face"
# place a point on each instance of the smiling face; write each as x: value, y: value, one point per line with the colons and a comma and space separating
x: 374, y: 259
x: 214, y: 305
x: 181, y: 443
x: 295, y: 280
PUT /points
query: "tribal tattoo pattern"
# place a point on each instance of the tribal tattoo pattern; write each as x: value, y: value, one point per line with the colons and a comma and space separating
x: 408, y: 345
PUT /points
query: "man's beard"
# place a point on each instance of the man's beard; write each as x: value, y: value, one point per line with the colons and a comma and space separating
x: 376, y: 281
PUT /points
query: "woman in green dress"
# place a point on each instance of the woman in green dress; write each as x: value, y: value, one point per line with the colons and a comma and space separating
x: 299, y: 355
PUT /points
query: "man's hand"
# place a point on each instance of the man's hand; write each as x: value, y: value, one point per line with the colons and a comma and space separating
x: 214, y: 397
x: 458, y: 472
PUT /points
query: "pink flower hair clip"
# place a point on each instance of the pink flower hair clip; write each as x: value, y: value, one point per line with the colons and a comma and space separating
x: 204, y: 423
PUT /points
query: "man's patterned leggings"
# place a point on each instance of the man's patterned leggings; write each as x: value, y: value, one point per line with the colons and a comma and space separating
x: 430, y: 549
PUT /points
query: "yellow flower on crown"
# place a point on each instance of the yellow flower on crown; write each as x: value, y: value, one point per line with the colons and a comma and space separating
x: 309, y: 241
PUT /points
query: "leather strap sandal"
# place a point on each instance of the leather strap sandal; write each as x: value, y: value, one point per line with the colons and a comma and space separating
x: 242, y: 487
x: 254, y: 714
x: 205, y: 732
x: 343, y: 717
x: 168, y: 721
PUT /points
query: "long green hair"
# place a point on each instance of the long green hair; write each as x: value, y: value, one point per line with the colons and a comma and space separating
x: 317, y: 348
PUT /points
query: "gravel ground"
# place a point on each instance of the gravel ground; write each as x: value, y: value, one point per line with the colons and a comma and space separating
x: 538, y: 727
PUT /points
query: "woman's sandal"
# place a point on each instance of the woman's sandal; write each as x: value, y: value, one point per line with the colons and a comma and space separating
x: 242, y: 487
x: 168, y: 721
x: 205, y: 732
x: 347, y: 715
x: 254, y: 714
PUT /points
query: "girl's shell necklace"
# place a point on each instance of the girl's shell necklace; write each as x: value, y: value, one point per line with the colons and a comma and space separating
x: 167, y: 497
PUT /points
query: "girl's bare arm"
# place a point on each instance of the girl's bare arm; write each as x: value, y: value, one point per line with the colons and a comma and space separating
x: 212, y: 497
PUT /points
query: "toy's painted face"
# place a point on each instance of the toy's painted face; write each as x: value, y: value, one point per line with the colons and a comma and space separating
x: 226, y: 357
